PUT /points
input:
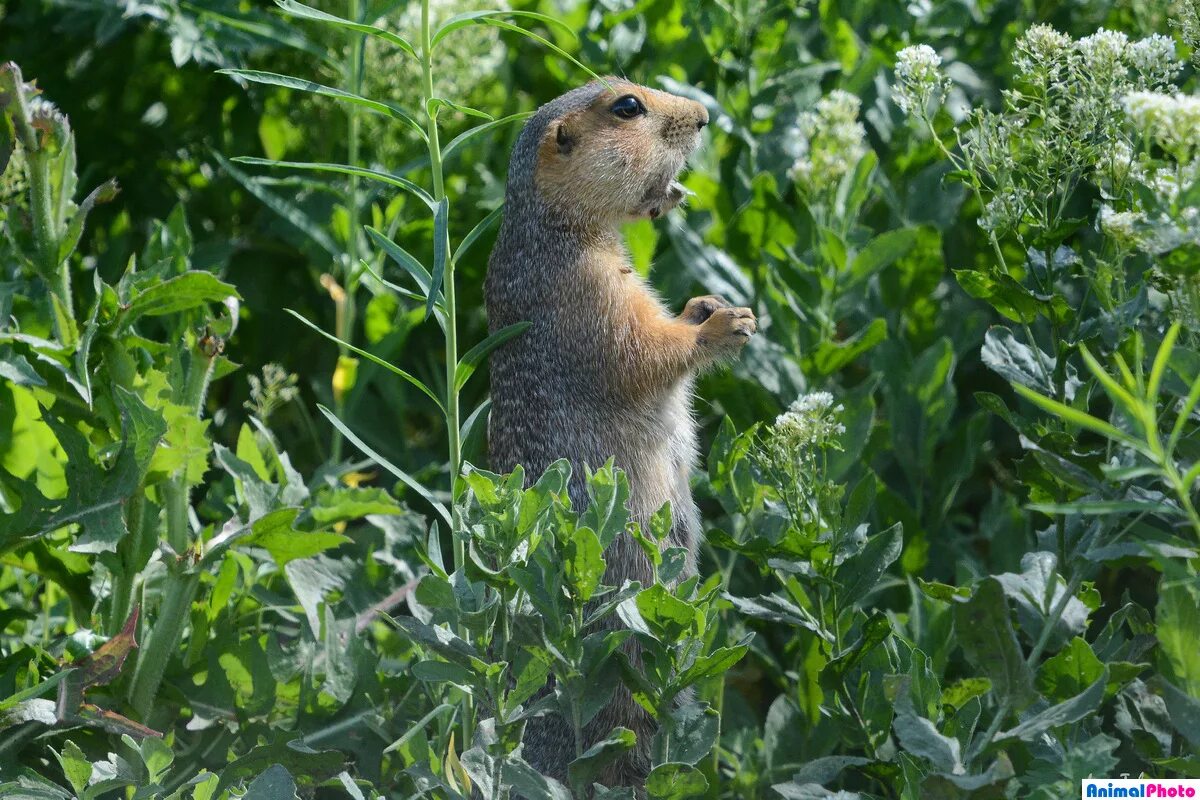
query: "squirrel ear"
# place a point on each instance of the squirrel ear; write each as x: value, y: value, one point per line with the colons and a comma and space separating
x: 565, y: 141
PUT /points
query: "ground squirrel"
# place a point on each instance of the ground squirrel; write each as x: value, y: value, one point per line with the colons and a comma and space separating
x: 604, y: 371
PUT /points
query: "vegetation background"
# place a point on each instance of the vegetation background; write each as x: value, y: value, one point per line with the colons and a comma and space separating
x: 951, y: 541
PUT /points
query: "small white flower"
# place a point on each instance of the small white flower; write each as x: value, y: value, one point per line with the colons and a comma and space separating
x: 1042, y: 50
x: 1123, y: 227
x: 813, y: 401
x: 831, y: 142
x: 1172, y: 121
x: 1104, y: 50
x: 919, y: 79
x: 1153, y: 58
x: 811, y: 422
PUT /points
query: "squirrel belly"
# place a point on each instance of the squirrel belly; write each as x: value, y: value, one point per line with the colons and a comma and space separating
x: 565, y: 389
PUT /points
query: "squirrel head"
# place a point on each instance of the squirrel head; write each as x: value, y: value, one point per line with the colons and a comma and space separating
x: 603, y: 156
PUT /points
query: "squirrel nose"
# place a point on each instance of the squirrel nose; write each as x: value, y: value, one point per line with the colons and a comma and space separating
x: 703, y: 120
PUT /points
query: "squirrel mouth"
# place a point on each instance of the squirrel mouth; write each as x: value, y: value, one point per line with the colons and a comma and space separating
x: 663, y: 200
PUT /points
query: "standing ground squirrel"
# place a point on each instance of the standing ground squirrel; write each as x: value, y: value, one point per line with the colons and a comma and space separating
x: 604, y: 371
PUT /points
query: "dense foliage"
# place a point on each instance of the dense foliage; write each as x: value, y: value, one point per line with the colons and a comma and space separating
x: 248, y: 543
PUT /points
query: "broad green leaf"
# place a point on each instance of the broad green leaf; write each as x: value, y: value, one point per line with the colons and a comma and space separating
x: 1178, y: 628
x: 675, y: 782
x: 441, y: 672
x: 986, y: 636
x: 16, y: 368
x: 832, y: 356
x: 275, y: 534
x: 689, y: 732
x: 881, y: 252
x: 345, y: 503
x: 921, y: 737
x: 180, y: 293
x: 76, y: 767
x: 1183, y: 709
x: 583, y: 564
x: 584, y: 769
x: 859, y: 574
x: 1065, y: 713
x: 442, y: 641
x: 667, y: 617
x: 471, y: 360
x: 1004, y: 294
x: 1070, y: 671
x: 776, y: 608
x: 1018, y: 362
x: 716, y: 663
x: 531, y: 784
x: 275, y: 783
x: 607, y: 512
x: 959, y: 693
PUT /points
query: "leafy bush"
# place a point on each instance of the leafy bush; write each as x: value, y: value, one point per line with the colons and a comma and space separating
x: 950, y: 500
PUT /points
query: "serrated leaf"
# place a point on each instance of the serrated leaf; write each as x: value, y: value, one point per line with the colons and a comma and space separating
x: 176, y: 294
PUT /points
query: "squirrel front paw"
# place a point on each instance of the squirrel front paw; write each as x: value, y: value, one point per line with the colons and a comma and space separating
x: 727, y: 330
x: 699, y: 309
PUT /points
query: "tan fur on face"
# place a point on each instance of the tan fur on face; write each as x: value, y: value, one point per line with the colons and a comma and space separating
x: 600, y: 167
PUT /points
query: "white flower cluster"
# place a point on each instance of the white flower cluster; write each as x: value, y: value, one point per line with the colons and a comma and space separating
x: 1172, y: 121
x: 1042, y: 50
x: 1188, y: 22
x: 831, y: 142
x: 1105, y: 57
x: 810, y: 422
x: 1154, y: 58
x: 1104, y: 51
x: 1123, y: 227
x: 919, y: 79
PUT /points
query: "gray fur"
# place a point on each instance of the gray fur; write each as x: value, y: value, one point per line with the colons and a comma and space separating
x: 553, y: 397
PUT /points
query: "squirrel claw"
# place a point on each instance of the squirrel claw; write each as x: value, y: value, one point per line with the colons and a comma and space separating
x: 699, y: 309
x: 728, y: 329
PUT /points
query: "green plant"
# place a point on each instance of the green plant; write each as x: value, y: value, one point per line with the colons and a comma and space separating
x: 966, y: 555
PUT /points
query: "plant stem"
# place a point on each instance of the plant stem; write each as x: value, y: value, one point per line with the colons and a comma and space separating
x: 452, y: 420
x: 345, y: 317
x: 164, y: 636
x: 122, y: 591
x: 182, y: 582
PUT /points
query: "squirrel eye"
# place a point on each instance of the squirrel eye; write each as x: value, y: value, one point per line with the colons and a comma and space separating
x: 628, y: 107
